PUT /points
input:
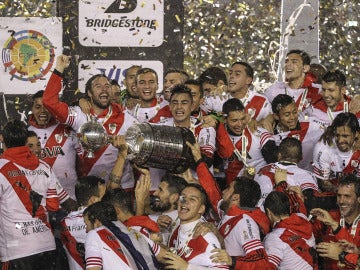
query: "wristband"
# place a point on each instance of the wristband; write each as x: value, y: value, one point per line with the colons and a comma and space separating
x: 233, y: 262
x: 198, y: 162
x: 342, y: 256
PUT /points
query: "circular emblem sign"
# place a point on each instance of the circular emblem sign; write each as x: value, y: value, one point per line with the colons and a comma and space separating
x: 28, y: 55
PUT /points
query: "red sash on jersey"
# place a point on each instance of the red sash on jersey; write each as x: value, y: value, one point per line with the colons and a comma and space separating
x: 313, y: 94
x: 71, y: 245
x: 144, y: 222
x: 112, y: 126
x: 52, y: 141
x: 109, y: 239
x: 197, y: 246
x: 163, y: 112
x: 226, y: 149
x: 300, y: 133
x: 256, y: 103
x: 22, y: 188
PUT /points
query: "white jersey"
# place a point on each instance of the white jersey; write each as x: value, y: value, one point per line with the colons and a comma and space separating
x: 282, y: 88
x: 143, y: 115
x: 104, y: 250
x: 166, y: 232
x: 282, y: 255
x: 295, y: 177
x: 103, y: 162
x: 255, y: 104
x: 308, y: 133
x: 59, y: 147
x: 23, y: 234
x: 196, y: 251
x: 330, y: 163
x: 73, y: 235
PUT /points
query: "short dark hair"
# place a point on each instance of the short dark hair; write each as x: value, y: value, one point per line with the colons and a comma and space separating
x: 144, y: 71
x: 232, y: 104
x: 197, y: 83
x: 213, y: 75
x: 86, y: 187
x: 346, y: 119
x: 281, y: 101
x: 181, y: 89
x: 306, y: 59
x: 351, y: 179
x: 121, y: 198
x: 15, y: 133
x: 290, y: 149
x: 88, y: 84
x: 278, y: 203
x: 104, y: 212
x: 249, y: 191
x: 129, y: 68
x: 32, y: 133
x: 335, y: 76
x: 248, y: 69
x: 175, y: 183
x: 183, y: 73
x: 38, y: 94
x: 114, y: 82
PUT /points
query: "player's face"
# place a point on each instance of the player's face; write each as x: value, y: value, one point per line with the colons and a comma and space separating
x: 34, y: 144
x: 170, y: 80
x: 236, y: 121
x: 115, y: 94
x: 162, y: 198
x: 41, y: 114
x: 147, y: 86
x: 190, y: 206
x: 288, y: 117
x: 208, y: 88
x: 332, y: 94
x: 130, y: 83
x: 344, y: 138
x: 348, y: 202
x: 181, y: 107
x: 100, y: 92
x: 238, y: 79
x: 294, y: 67
x: 195, y: 92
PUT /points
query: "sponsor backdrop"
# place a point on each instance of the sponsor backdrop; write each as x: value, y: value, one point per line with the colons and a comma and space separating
x: 101, y: 36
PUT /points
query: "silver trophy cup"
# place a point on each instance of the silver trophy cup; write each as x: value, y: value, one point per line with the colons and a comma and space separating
x: 92, y: 136
x: 160, y: 146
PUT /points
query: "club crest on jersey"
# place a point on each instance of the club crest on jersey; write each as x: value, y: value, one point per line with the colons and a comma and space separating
x: 58, y: 138
x: 251, y: 112
x: 296, y: 136
x: 112, y: 128
x: 246, y: 236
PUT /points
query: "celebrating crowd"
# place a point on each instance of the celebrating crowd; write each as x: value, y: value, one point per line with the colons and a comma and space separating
x: 274, y: 182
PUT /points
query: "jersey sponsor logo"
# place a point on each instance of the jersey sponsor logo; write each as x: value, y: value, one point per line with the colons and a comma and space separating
x: 15, y: 173
x: 50, y: 152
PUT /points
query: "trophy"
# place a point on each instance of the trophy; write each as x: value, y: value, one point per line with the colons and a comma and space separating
x: 160, y: 146
x: 92, y: 136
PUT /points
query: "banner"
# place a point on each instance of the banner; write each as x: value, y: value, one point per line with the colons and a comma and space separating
x: 124, y: 23
x: 29, y: 50
x: 114, y: 70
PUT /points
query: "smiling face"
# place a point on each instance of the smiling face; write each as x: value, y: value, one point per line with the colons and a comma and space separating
x: 236, y: 121
x: 294, y: 67
x: 34, y: 144
x: 181, y: 107
x: 238, y: 79
x: 287, y: 117
x: 344, y: 138
x: 100, y: 93
x: 190, y: 206
x: 41, y: 114
x: 162, y: 196
x: 147, y: 86
x: 332, y: 94
x: 130, y: 81
x: 349, y: 203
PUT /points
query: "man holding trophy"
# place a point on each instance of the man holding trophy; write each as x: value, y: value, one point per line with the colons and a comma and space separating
x: 103, y: 113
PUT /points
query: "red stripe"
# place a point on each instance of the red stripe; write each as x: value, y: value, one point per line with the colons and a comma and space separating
x: 109, y: 239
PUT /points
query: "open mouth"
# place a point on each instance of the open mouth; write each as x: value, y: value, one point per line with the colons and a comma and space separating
x: 43, y: 117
